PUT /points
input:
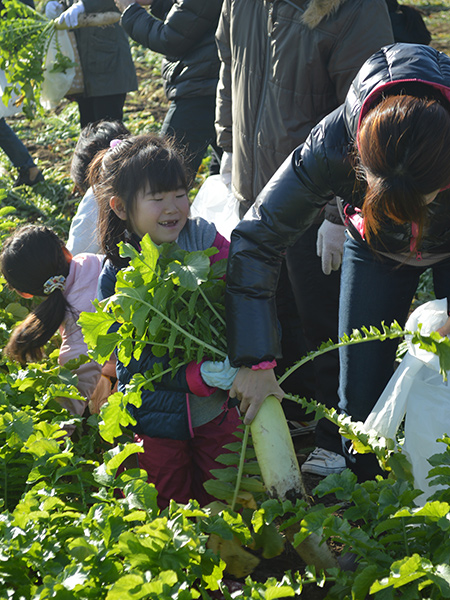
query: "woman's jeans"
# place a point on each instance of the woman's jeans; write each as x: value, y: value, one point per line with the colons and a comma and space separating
x: 13, y: 147
x: 374, y: 289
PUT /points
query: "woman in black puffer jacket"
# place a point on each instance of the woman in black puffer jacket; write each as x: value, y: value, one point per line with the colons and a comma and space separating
x: 386, y: 154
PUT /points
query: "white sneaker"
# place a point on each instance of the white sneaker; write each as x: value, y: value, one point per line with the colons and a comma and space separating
x: 323, y: 462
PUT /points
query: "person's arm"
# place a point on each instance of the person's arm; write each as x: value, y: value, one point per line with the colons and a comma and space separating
x: 184, y: 26
x: 286, y: 207
x: 82, y: 232
x: 224, y: 122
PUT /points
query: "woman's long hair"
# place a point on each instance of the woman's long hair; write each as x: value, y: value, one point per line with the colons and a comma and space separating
x: 404, y: 154
x: 31, y: 256
x: 142, y: 162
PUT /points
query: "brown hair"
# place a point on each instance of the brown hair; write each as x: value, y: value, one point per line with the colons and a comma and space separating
x: 404, y: 154
x: 31, y: 256
x: 134, y: 164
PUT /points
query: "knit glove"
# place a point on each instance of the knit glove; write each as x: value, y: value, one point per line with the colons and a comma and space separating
x: 70, y: 16
x: 330, y: 245
x: 53, y: 9
x: 219, y: 374
x: 225, y: 168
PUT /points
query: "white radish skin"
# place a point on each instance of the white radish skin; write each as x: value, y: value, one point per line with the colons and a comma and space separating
x: 93, y: 20
x: 282, y: 477
x: 275, y: 452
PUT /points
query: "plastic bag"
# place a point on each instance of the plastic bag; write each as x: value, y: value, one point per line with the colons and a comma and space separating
x: 215, y: 203
x: 56, y: 84
x: 11, y: 108
x: 418, y: 393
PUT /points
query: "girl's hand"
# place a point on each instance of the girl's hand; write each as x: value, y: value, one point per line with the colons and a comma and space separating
x: 251, y: 388
x: 445, y: 329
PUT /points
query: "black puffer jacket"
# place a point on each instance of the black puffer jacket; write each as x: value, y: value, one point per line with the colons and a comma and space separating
x: 183, y: 31
x: 315, y: 172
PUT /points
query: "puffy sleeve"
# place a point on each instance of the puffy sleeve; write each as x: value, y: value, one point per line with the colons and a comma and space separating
x: 310, y: 177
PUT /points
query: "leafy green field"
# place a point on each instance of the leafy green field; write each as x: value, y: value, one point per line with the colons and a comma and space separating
x: 74, y: 525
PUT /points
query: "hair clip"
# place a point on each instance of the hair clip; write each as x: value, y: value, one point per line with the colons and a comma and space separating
x: 114, y: 143
x: 57, y: 282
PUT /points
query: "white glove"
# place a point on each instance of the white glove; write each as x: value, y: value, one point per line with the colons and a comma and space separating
x: 225, y: 168
x: 218, y: 374
x: 70, y: 16
x: 53, y: 9
x: 330, y: 245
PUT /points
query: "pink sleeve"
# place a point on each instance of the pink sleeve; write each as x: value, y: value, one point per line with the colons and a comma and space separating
x: 195, y: 382
x: 223, y: 245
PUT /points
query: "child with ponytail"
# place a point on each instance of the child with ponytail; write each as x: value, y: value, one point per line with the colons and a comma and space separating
x: 35, y: 262
x: 141, y: 186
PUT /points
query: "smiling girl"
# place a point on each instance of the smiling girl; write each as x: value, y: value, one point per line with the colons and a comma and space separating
x: 141, y: 186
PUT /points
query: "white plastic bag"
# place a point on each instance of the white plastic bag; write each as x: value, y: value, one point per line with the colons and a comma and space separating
x: 417, y: 392
x: 215, y: 203
x: 11, y: 108
x: 56, y: 84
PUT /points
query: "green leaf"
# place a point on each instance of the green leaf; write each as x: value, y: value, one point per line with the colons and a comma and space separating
x: 192, y: 272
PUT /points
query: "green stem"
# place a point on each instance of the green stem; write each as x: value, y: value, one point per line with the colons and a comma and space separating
x: 405, y: 537
x: 241, y: 466
x: 176, y: 326
x: 348, y: 342
x: 211, y: 327
x: 211, y: 307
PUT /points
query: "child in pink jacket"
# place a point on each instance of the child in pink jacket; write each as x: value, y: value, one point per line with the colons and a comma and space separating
x: 35, y: 262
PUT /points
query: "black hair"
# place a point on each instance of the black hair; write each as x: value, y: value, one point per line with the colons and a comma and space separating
x: 31, y: 256
x: 136, y: 163
x: 93, y: 138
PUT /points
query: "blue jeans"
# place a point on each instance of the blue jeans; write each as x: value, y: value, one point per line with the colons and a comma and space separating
x: 374, y: 289
x: 13, y: 147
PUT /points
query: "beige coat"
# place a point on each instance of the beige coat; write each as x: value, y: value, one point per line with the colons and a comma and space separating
x: 285, y: 65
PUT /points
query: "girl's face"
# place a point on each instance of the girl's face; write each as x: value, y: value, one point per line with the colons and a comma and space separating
x: 162, y: 215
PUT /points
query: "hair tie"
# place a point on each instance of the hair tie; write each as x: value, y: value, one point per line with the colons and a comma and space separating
x: 57, y: 282
x: 114, y: 143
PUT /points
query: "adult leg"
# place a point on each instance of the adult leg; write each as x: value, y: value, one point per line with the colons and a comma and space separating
x: 14, y: 148
x: 190, y: 121
x: 99, y: 108
x: 373, y: 290
x: 441, y: 279
x: 317, y: 299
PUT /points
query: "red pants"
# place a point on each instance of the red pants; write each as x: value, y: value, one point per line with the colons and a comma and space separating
x: 178, y: 468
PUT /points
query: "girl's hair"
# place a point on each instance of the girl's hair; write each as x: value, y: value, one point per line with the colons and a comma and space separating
x: 31, y: 256
x: 93, y: 138
x: 404, y: 154
x: 135, y: 164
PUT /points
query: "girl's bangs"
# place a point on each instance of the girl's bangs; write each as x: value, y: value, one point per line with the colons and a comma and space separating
x: 165, y: 176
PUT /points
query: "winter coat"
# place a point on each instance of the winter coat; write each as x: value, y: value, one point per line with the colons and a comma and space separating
x: 166, y: 412
x: 183, y: 31
x: 105, y: 55
x: 79, y: 291
x: 318, y: 170
x: 285, y: 65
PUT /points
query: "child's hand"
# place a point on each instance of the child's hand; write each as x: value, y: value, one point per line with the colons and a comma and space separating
x: 445, y: 329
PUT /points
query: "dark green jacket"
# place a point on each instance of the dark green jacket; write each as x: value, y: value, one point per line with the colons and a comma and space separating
x: 105, y: 54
